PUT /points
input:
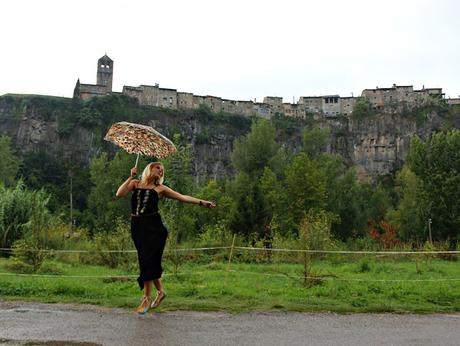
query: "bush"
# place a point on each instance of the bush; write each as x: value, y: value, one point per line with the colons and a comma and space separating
x: 315, y: 230
x: 21, y: 210
x: 314, y: 234
x: 29, y: 252
x: 118, y: 241
x: 364, y: 265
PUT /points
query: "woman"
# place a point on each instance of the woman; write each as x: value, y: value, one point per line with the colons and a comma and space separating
x: 147, y: 230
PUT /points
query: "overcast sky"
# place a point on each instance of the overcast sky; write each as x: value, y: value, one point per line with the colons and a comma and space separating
x: 234, y: 49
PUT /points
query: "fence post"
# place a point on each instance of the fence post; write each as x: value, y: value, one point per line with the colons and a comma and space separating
x: 229, y: 260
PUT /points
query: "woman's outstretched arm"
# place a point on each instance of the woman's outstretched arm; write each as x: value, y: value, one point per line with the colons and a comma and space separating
x: 170, y: 193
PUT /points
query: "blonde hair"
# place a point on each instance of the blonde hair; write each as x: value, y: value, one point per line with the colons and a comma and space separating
x: 147, y: 176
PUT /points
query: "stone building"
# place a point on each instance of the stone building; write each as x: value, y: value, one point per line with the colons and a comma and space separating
x: 346, y: 105
x: 105, y: 72
x: 396, y: 99
x: 103, y: 84
x: 311, y: 104
x: 275, y: 103
x: 331, y: 105
x: 184, y: 100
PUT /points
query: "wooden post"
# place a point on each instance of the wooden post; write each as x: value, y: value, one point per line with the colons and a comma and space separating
x: 429, y: 231
x: 229, y: 260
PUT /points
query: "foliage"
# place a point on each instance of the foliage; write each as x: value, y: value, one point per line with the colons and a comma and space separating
x: 106, y: 176
x: 252, y: 156
x: 249, y: 214
x: 117, y: 240
x: 305, y: 187
x: 9, y: 162
x: 28, y: 254
x: 428, y: 104
x: 315, y: 230
x: 286, y: 126
x: 436, y: 164
x: 362, y: 108
x: 42, y: 170
x: 252, y: 153
x: 343, y: 200
x: 411, y: 211
x: 178, y: 177
x: 271, y: 190
x: 315, y: 141
x: 218, y: 219
x: 385, y: 234
x: 21, y: 211
x: 30, y: 250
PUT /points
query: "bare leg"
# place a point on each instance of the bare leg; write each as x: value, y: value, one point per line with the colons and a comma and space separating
x: 158, y: 285
x: 146, y: 300
x: 160, y: 293
x: 148, y: 288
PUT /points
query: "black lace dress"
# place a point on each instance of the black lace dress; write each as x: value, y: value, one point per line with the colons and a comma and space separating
x: 148, y: 233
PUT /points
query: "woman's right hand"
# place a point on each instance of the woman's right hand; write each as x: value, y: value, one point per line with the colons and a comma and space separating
x: 133, y: 172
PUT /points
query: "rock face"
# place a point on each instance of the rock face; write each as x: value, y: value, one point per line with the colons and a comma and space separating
x: 376, y: 145
x: 379, y: 145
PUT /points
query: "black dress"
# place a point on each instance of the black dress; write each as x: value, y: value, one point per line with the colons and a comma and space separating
x: 148, y: 233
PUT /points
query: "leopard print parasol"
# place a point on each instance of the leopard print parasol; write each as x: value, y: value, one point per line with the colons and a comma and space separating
x: 140, y: 139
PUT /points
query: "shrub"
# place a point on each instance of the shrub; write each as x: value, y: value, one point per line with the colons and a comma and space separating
x: 314, y: 234
x: 29, y: 252
x: 385, y: 234
x: 118, y: 241
x: 364, y: 265
x: 21, y: 210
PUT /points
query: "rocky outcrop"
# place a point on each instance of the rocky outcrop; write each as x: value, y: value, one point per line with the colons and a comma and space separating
x: 377, y: 145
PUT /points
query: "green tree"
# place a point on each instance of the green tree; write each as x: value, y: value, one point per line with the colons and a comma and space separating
x: 315, y: 141
x: 305, y: 188
x: 250, y: 213
x: 343, y: 200
x: 410, y: 213
x: 9, y: 163
x: 272, y: 191
x: 437, y: 164
x: 252, y: 153
x: 178, y: 216
x: 41, y: 170
x: 219, y: 216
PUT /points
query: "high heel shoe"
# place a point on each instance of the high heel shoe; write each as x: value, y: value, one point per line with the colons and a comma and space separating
x: 158, y: 299
x: 143, y: 308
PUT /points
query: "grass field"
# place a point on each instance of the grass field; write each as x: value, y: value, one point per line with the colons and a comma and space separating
x: 360, y: 285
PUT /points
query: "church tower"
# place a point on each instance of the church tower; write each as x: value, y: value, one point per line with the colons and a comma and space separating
x: 105, y: 72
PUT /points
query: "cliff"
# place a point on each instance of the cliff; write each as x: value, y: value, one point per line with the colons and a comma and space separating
x: 73, y: 130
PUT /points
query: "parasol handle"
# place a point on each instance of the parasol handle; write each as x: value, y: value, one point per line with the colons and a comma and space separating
x: 137, y: 160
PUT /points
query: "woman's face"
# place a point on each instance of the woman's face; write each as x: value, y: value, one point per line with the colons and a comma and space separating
x: 157, y: 170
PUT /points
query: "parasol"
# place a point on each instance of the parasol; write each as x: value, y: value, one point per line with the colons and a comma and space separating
x: 140, y: 139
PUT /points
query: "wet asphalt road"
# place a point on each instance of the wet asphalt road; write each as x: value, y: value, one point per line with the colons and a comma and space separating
x: 50, y: 324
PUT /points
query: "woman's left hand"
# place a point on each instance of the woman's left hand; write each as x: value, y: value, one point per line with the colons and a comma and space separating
x: 208, y: 204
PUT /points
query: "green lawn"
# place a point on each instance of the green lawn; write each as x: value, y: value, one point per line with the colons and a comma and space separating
x: 364, y: 285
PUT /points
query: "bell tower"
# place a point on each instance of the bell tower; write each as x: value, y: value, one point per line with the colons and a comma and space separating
x: 105, y: 72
